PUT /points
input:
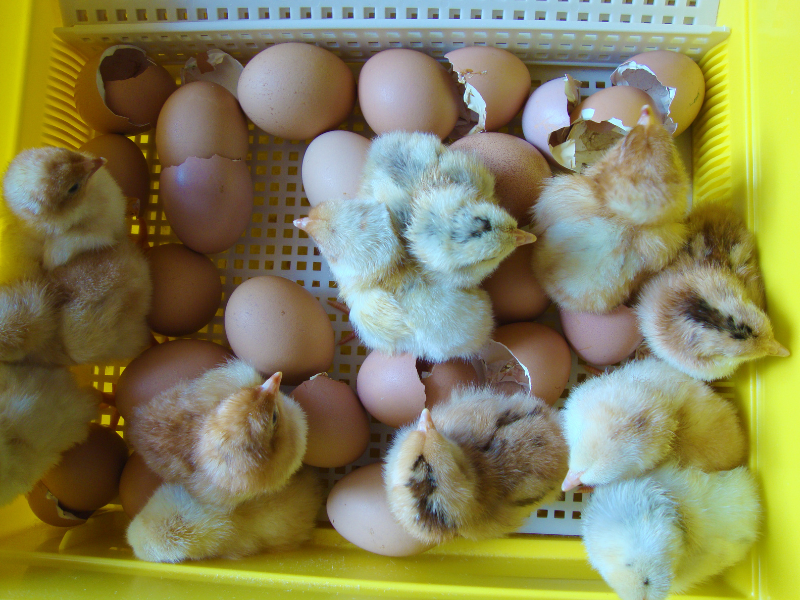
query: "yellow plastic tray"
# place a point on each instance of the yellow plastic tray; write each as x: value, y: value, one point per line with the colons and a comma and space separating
x: 744, y: 149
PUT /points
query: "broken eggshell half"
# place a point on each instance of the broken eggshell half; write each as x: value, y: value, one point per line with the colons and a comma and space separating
x: 215, y: 66
x: 548, y: 109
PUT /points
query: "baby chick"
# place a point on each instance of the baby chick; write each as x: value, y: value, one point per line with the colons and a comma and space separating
x: 669, y: 530
x: 173, y: 526
x: 705, y: 315
x: 600, y: 233
x: 624, y: 423
x: 226, y: 436
x: 474, y: 466
x: 28, y: 318
x: 67, y: 200
x: 43, y: 413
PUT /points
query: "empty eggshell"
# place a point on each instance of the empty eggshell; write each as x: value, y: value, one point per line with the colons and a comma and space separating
x: 125, y: 162
x: 338, y: 426
x: 390, y: 389
x: 548, y: 109
x: 621, y: 104
x: 602, y: 340
x: 208, y: 202
x: 333, y: 165
x: 137, y: 484
x: 496, y: 83
x: 442, y: 378
x: 517, y: 166
x: 159, y: 368
x: 405, y: 90
x: 276, y: 325
x: 514, y: 291
x: 187, y: 291
x: 215, y: 66
x: 296, y: 91
x: 359, y: 510
x: 46, y: 506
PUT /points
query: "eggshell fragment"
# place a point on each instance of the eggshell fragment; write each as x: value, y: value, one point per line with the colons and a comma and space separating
x: 338, y: 426
x: 390, y: 389
x: 602, y: 340
x: 513, y: 289
x: 215, y: 66
x: 548, y: 109
x: 333, y: 165
x: 137, y: 484
x: 359, y: 510
x: 46, y: 506
x: 276, y: 325
x: 496, y: 83
x: 125, y: 162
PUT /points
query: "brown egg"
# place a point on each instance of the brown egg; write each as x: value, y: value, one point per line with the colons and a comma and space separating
x: 543, y: 352
x: 672, y: 79
x: 136, y: 485
x: 621, y: 103
x: 187, y: 291
x: 276, y: 325
x: 125, y: 162
x: 548, y: 109
x: 161, y: 367
x: 406, y: 90
x: 46, y: 506
x: 296, y: 91
x: 442, y: 378
x: 602, y: 340
x: 87, y: 476
x: 333, y: 165
x: 514, y: 291
x: 122, y: 91
x: 208, y: 202
x: 338, y: 426
x: 518, y: 168
x: 500, y: 80
x: 359, y: 510
x: 201, y: 119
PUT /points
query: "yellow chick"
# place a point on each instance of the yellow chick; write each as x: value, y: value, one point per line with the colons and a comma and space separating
x: 626, y: 422
x: 474, y: 466
x: 600, y: 233
x: 28, y: 318
x: 671, y: 529
x: 173, y: 526
x: 227, y: 436
x: 705, y: 314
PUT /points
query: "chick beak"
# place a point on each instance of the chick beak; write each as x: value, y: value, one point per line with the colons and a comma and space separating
x: 93, y: 164
x: 273, y: 384
x: 572, y: 480
x: 523, y: 237
x: 647, y: 117
x: 777, y: 349
x: 425, y: 424
x: 301, y: 223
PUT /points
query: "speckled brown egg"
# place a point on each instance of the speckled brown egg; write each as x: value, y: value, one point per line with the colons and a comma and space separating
x: 513, y: 289
x: 276, y: 325
x: 125, y: 162
x: 137, y: 484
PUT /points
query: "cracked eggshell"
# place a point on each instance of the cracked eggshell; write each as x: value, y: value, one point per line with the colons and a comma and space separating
x: 207, y: 201
x: 513, y: 289
x: 359, y: 510
x: 215, y: 66
x: 338, y: 426
x: 296, y: 90
x: 441, y: 379
x: 137, y: 484
x: 405, y: 90
x: 496, y: 82
x: 199, y: 120
x: 602, y: 340
x: 125, y: 162
x: 120, y: 90
x: 548, y: 109
x: 47, y: 507
x: 673, y: 80
x: 619, y: 104
x: 333, y: 165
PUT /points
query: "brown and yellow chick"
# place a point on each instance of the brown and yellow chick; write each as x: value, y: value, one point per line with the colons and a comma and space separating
x: 705, y: 314
x: 474, y: 466
x: 601, y: 232
x: 29, y: 318
x: 227, y: 436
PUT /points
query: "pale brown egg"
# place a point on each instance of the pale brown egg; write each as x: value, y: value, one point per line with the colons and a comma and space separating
x: 623, y: 104
x: 359, y: 510
x: 514, y: 291
x: 187, y: 291
x: 276, y: 325
x: 517, y: 166
x: 333, y: 165
x: 87, y: 476
x: 120, y: 90
x: 405, y: 90
x: 673, y: 80
x: 296, y: 91
x: 125, y: 162
x: 159, y: 368
x: 208, y: 202
x: 497, y: 83
x: 46, y: 506
x: 602, y: 340
x: 137, y: 484
x: 201, y: 119
x: 548, y: 109
x: 338, y: 426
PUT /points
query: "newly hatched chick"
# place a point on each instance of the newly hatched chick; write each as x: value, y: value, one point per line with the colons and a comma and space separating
x: 624, y: 423
x: 474, y: 466
x: 173, y: 526
x: 67, y: 200
x: 28, y: 318
x: 600, y: 233
x: 227, y: 436
x: 671, y: 529
x: 394, y: 306
x: 705, y: 314
x: 43, y: 413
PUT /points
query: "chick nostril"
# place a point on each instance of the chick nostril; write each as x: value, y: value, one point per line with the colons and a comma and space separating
x: 647, y: 581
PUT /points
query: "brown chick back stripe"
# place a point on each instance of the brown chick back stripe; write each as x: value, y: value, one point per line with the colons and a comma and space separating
x: 422, y: 485
x: 700, y: 311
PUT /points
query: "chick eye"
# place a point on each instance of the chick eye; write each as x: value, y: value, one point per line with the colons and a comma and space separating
x: 74, y: 188
x: 274, y: 417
